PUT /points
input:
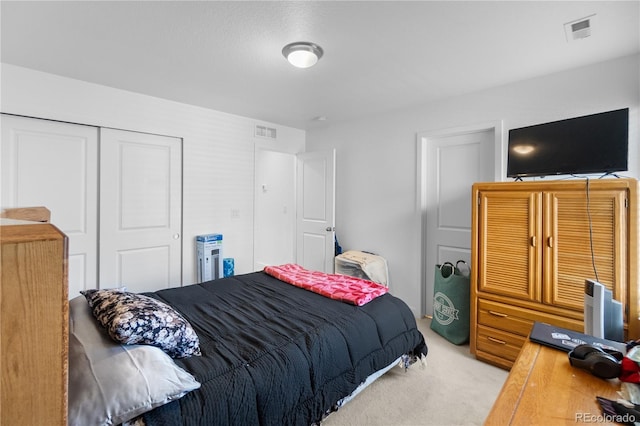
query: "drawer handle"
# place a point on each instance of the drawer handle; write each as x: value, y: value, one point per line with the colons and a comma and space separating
x: 498, y: 314
x: 498, y: 341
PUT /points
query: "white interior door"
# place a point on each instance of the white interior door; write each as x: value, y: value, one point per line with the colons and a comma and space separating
x: 452, y: 163
x: 140, y: 210
x: 315, y: 195
x: 54, y: 164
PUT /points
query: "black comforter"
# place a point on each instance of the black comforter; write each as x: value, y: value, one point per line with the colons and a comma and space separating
x: 275, y: 354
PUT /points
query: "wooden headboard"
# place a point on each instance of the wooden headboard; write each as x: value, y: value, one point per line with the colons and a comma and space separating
x: 35, y: 214
x: 34, y: 294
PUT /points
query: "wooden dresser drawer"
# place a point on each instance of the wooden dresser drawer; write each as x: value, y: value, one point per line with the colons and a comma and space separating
x: 499, y: 343
x: 504, y: 317
x: 519, y: 320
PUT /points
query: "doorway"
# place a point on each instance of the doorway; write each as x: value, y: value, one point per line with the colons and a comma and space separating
x: 450, y: 161
x: 294, y: 215
x: 274, y: 198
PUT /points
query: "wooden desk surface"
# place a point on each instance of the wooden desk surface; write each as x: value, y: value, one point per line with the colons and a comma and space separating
x: 543, y: 388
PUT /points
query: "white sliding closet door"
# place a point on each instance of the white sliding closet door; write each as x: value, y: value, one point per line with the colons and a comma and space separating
x: 55, y: 164
x: 140, y: 210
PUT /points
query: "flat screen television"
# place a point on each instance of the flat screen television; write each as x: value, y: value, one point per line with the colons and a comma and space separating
x: 597, y: 143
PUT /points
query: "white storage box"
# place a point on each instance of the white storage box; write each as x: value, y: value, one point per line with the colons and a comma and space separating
x: 209, y: 252
x: 363, y: 265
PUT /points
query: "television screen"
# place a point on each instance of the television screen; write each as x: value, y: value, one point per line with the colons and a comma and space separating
x: 596, y: 143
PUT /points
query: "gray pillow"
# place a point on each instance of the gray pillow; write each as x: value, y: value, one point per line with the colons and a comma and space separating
x: 110, y: 383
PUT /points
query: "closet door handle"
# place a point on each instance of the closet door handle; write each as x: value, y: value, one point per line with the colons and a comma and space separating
x: 533, y: 241
x: 550, y: 242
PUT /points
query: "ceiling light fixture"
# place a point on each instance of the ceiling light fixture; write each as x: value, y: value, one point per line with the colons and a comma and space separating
x: 302, y: 54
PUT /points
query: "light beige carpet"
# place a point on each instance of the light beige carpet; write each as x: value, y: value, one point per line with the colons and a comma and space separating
x: 452, y: 389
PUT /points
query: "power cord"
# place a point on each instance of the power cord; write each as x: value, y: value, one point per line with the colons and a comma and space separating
x: 593, y: 257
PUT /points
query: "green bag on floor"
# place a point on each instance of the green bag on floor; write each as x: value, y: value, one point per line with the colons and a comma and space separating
x: 451, y: 302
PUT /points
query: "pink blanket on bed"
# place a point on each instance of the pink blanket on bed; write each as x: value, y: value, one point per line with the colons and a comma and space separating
x: 334, y: 286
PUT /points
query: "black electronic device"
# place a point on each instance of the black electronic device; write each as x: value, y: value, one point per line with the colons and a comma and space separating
x: 599, y: 362
x: 567, y: 340
x: 597, y: 143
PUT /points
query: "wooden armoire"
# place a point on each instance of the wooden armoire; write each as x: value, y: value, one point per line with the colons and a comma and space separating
x: 34, y: 324
x: 533, y: 246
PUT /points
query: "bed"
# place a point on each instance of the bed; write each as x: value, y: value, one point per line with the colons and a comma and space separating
x: 268, y: 353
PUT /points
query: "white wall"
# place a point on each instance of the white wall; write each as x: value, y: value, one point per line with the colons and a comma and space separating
x: 275, y: 206
x: 218, y: 149
x: 376, y: 157
x: 376, y: 206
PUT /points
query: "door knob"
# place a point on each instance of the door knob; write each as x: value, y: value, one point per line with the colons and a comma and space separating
x: 330, y: 228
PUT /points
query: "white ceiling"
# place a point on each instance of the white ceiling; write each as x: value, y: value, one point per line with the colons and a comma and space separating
x: 379, y: 56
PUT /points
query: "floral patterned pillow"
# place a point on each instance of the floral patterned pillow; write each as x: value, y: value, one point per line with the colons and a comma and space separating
x: 132, y: 318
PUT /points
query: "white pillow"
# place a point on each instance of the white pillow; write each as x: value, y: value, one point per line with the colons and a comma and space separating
x: 111, y: 383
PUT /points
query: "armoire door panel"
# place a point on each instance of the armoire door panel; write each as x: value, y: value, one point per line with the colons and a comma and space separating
x: 510, y: 243
x: 587, y: 231
x: 54, y: 164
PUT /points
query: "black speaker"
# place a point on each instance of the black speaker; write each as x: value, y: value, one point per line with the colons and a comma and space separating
x: 601, y: 363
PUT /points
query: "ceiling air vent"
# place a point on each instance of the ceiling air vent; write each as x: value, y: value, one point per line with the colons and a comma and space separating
x: 582, y: 28
x: 265, y: 132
